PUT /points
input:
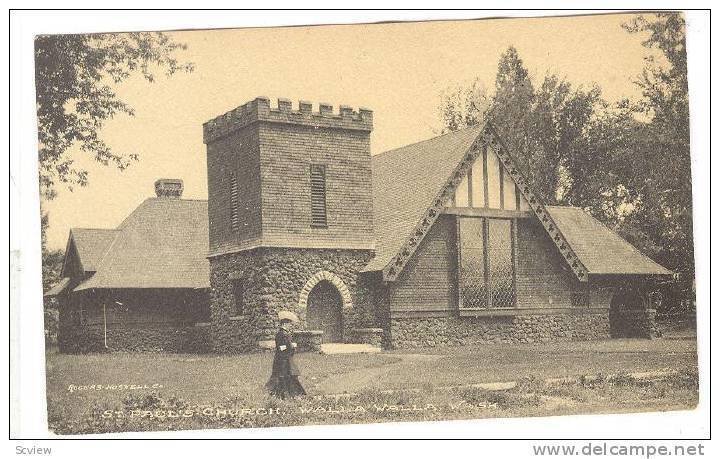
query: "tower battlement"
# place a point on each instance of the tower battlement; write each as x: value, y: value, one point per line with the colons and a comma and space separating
x: 260, y: 110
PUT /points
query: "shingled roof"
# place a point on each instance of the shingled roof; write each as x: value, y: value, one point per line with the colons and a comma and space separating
x: 161, y: 244
x: 405, y: 182
x: 600, y: 249
x: 91, y: 245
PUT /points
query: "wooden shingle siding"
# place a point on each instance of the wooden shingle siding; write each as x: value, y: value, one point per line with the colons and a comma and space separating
x: 429, y: 279
x: 542, y: 281
x: 429, y: 282
x: 236, y: 155
x: 287, y: 153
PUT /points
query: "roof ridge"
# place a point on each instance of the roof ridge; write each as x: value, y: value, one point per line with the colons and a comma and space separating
x: 126, y: 219
x: 428, y: 140
x: 107, y: 250
x: 94, y: 229
x: 565, y: 207
x: 156, y: 198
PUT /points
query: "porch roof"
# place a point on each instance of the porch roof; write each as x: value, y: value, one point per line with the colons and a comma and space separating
x: 599, y: 248
x: 58, y: 288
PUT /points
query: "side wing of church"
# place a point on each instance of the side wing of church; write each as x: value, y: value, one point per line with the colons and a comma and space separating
x: 442, y: 242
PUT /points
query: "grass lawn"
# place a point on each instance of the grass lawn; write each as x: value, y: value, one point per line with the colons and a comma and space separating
x: 183, y: 381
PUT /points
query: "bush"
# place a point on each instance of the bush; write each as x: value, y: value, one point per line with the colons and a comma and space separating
x: 52, y: 319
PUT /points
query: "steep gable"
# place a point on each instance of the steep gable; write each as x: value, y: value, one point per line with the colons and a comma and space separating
x: 161, y: 244
x: 414, y: 184
x: 405, y: 183
x: 91, y: 245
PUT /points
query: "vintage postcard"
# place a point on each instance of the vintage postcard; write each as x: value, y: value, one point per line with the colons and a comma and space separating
x: 366, y: 223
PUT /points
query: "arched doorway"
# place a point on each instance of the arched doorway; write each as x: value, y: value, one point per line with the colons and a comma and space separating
x: 324, y: 311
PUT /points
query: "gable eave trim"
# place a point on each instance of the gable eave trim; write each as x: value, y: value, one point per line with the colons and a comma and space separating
x: 487, y: 138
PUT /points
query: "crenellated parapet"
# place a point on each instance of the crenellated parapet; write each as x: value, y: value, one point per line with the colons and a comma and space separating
x: 260, y: 109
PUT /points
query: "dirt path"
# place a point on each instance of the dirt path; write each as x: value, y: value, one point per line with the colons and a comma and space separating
x: 366, y: 378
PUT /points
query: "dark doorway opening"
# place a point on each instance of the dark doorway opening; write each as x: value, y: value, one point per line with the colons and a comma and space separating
x: 626, y: 308
x: 324, y: 312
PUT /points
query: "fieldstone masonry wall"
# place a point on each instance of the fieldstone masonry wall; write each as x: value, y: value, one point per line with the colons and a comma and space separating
x: 372, y: 336
x: 462, y: 331
x: 308, y: 340
x: 273, y: 279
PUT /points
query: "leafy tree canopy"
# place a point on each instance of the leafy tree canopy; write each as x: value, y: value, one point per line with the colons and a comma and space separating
x: 627, y: 163
x: 74, y: 80
x: 75, y: 76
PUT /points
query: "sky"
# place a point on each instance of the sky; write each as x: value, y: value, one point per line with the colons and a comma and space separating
x: 399, y: 71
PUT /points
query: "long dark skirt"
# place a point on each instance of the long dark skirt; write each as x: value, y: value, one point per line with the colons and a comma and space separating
x: 285, y: 386
x: 284, y: 381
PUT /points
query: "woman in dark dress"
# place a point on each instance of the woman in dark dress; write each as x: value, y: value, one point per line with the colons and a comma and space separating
x: 284, y: 379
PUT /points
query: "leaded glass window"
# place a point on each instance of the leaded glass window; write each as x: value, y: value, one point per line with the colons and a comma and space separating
x: 486, y: 263
x: 500, y: 263
x: 472, y: 263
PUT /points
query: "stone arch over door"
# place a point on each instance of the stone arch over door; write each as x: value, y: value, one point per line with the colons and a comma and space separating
x: 322, y: 280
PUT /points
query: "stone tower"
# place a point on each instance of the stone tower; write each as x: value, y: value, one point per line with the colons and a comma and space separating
x: 290, y: 219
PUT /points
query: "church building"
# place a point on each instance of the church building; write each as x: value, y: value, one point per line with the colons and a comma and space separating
x: 442, y: 242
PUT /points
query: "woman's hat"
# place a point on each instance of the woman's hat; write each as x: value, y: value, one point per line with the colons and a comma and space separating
x: 287, y: 315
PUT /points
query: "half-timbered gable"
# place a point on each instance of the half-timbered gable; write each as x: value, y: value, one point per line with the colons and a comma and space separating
x: 473, y: 254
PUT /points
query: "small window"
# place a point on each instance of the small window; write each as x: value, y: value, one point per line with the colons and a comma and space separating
x: 318, y: 208
x: 234, y: 196
x: 239, y: 296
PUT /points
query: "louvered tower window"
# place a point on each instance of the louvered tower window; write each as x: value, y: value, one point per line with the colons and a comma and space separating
x: 318, y: 208
x: 234, y: 203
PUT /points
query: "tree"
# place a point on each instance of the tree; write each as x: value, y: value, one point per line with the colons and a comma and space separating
x: 511, y: 111
x: 74, y: 78
x: 462, y: 107
x: 543, y: 128
x: 663, y: 221
x: 52, y: 260
x: 667, y: 211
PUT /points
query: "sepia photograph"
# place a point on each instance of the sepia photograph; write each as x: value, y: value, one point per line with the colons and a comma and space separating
x: 366, y: 223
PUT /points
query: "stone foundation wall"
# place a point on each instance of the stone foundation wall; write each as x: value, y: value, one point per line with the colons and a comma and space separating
x: 308, y: 340
x: 461, y: 331
x: 372, y: 336
x: 272, y: 280
x: 90, y: 338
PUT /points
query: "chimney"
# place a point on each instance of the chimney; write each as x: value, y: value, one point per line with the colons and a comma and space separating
x: 169, y: 188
